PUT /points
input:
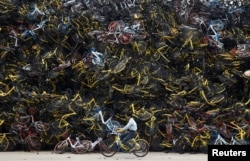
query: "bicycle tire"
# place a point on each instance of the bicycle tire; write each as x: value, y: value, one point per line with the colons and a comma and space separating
x: 144, y: 148
x: 33, y: 143
x: 82, y: 147
x: 4, y: 144
x: 155, y: 143
x: 107, y: 148
x: 61, y: 147
x: 181, y: 146
x: 12, y: 144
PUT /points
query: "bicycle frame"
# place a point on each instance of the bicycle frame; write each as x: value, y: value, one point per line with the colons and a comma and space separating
x: 220, y: 140
x: 119, y: 143
x: 210, y: 29
x: 111, y: 125
x: 94, y: 144
x: 72, y: 144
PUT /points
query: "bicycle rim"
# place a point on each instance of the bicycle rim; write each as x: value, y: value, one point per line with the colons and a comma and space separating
x: 33, y: 143
x: 107, y: 148
x: 60, y: 147
x: 144, y: 148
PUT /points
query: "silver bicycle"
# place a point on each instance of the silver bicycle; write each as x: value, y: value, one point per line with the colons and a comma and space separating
x: 76, y: 145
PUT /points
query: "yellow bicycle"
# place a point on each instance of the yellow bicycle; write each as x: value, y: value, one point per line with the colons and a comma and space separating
x: 110, y: 146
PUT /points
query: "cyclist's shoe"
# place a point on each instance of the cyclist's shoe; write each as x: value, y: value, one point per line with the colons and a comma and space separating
x: 136, y: 147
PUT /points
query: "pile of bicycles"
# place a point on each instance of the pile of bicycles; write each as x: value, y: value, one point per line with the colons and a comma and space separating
x: 24, y: 131
x: 196, y: 136
x: 121, y: 32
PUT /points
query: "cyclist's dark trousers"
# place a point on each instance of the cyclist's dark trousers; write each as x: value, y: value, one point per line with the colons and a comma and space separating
x: 125, y: 137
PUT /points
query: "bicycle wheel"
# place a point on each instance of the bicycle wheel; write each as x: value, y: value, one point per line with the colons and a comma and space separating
x: 155, y: 143
x: 33, y: 143
x: 107, y: 148
x: 181, y: 146
x: 144, y: 148
x: 4, y: 144
x: 60, y: 147
x: 81, y: 147
x: 204, y: 148
x: 12, y: 144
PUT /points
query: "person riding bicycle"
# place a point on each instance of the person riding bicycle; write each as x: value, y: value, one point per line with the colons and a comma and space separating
x: 130, y: 128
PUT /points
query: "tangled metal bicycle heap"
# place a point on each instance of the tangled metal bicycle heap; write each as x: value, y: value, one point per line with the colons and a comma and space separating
x: 159, y: 58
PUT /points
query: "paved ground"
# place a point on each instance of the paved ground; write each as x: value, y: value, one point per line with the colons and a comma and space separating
x: 94, y: 156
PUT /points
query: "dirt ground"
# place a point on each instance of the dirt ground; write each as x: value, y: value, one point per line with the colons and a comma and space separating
x: 50, y: 156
